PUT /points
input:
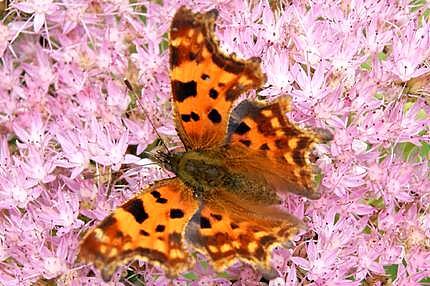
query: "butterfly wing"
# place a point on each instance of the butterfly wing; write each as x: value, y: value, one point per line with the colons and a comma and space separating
x: 226, y: 231
x: 205, y: 82
x: 264, y: 142
x: 150, y: 226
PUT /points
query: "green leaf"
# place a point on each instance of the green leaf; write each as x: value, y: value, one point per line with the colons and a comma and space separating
x: 366, y: 66
x: 135, y: 279
x: 408, y: 150
x: 408, y: 106
x: 318, y: 177
x: 425, y: 150
x: 336, y: 218
x: 379, y: 96
x: 376, y: 203
x: 421, y: 115
x: 382, y: 56
x: 190, y: 276
x: 164, y: 44
x: 416, y: 4
x: 204, y: 264
x: 426, y: 14
x: 225, y: 275
x: 391, y: 271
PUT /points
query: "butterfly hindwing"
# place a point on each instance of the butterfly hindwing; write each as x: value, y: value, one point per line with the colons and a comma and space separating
x: 150, y: 226
x: 205, y: 82
x: 226, y: 231
x: 276, y: 148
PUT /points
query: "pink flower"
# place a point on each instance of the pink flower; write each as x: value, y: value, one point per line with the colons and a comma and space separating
x: 409, y: 50
x: 376, y: 36
x: 75, y: 151
x: 320, y: 262
x: 39, y: 8
x: 311, y: 87
x: 63, y: 214
x: 141, y: 133
x: 31, y: 130
x: 108, y: 151
x: 17, y: 190
x: 280, y: 78
x: 5, y: 36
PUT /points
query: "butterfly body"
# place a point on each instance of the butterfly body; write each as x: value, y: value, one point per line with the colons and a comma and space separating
x: 202, y: 170
x: 206, y: 171
x: 224, y: 201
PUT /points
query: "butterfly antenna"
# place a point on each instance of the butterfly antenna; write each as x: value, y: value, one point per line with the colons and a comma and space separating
x: 128, y: 84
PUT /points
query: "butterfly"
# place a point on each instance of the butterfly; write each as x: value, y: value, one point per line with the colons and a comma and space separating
x: 224, y: 201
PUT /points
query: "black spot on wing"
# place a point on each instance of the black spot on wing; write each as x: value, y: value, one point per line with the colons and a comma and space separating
x: 298, y: 158
x: 158, y: 197
x: 156, y: 194
x: 214, y: 116
x: 213, y: 93
x: 195, y: 116
x: 264, y: 147
x: 135, y: 207
x: 160, y: 228
x: 174, y: 57
x: 242, y: 128
x: 233, y: 225
x: 218, y: 217
x: 176, y: 213
x: 186, y: 117
x: 144, y: 233
x: 247, y: 143
x: 204, y: 222
x: 161, y: 200
x: 204, y: 77
x: 267, y: 239
x: 192, y: 56
x: 303, y: 143
x: 183, y: 90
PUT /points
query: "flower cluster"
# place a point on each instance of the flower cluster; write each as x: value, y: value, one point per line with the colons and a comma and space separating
x: 71, y: 134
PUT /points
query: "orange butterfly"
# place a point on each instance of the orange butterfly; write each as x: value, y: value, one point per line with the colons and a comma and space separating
x: 223, y: 201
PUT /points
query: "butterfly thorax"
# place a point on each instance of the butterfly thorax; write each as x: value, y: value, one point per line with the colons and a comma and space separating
x: 202, y: 170
x: 206, y: 171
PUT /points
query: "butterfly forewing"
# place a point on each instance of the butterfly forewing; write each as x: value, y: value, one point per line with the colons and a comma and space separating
x: 150, y: 226
x: 205, y: 82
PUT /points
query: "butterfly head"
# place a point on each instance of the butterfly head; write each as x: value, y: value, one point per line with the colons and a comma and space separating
x: 167, y: 160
